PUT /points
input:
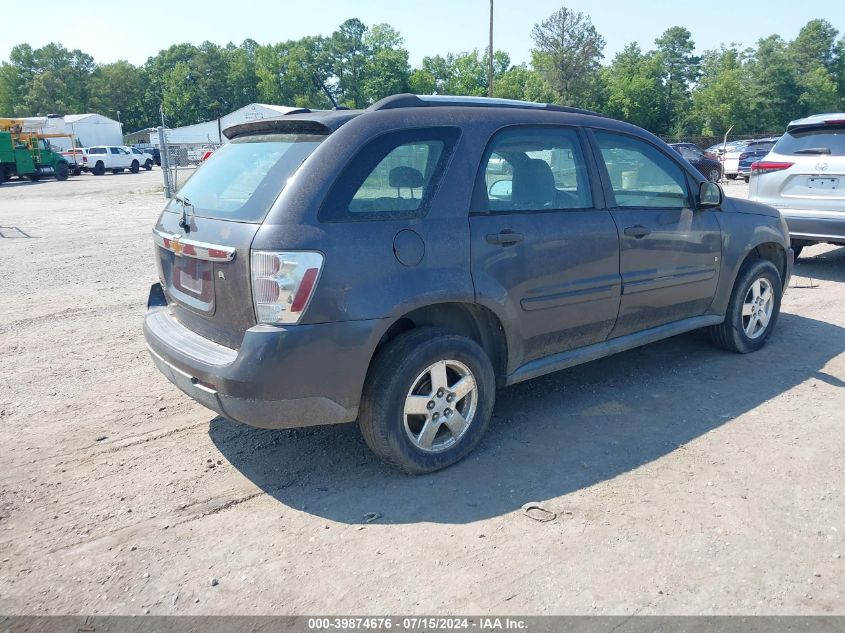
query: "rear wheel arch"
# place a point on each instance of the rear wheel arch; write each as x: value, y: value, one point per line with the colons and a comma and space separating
x: 467, y: 319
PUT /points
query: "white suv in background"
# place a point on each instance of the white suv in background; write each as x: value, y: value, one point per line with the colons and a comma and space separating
x: 804, y: 177
x: 103, y: 157
x: 146, y: 160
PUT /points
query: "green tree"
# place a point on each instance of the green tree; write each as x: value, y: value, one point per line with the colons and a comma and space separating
x: 631, y: 82
x: 386, y: 70
x: 772, y: 78
x: 680, y: 69
x: 568, y: 52
x: 120, y: 86
x: 721, y: 99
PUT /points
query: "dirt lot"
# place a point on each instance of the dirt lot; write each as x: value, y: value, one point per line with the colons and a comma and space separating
x: 685, y: 479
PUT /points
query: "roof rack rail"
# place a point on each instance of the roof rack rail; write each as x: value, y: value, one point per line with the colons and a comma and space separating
x: 421, y: 101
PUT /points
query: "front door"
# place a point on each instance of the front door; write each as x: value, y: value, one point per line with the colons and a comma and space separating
x: 670, y: 253
x: 541, y: 248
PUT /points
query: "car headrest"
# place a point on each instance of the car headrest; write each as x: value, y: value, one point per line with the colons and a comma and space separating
x: 404, y: 176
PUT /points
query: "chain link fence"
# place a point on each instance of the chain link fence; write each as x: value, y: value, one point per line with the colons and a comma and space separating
x: 179, y: 161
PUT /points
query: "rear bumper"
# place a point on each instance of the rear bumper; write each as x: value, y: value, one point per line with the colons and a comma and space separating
x: 281, y: 377
x: 815, y: 226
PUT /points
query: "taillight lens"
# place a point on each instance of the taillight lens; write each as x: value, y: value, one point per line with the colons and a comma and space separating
x: 766, y: 166
x: 283, y: 284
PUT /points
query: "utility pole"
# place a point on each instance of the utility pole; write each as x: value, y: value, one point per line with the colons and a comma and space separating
x: 490, y: 56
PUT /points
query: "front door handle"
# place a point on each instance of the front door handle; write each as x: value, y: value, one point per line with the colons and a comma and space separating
x: 637, y: 231
x: 504, y: 238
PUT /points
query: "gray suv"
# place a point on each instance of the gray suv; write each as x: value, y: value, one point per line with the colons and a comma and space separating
x: 397, y: 265
x: 804, y: 177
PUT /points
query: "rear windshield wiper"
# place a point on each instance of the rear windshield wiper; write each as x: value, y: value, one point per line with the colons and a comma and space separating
x: 813, y: 150
x: 184, y: 223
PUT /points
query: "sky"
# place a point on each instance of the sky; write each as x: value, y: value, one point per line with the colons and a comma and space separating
x: 138, y: 30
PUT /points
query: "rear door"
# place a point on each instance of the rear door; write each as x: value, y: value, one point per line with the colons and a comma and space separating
x: 542, y: 245
x: 670, y: 253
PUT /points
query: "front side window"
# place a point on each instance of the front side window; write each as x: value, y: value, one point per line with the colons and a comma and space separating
x: 536, y: 169
x: 394, y: 176
x: 115, y: 150
x: 640, y: 174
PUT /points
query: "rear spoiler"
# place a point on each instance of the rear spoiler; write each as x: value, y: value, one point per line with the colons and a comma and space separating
x: 302, y: 121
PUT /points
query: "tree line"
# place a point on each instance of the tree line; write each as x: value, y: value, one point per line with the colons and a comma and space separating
x: 668, y: 89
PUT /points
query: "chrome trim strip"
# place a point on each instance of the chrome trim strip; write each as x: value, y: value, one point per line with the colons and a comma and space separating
x: 202, y: 250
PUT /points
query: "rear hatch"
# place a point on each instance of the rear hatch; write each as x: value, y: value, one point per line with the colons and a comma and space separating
x: 805, y: 169
x: 204, y: 235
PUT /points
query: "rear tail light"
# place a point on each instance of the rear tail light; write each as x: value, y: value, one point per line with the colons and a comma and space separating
x: 283, y: 284
x: 84, y: 159
x: 766, y: 166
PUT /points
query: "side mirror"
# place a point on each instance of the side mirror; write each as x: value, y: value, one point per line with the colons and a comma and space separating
x: 710, y: 195
x: 501, y: 189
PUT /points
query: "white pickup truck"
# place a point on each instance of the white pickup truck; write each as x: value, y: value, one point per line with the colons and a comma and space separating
x: 103, y: 157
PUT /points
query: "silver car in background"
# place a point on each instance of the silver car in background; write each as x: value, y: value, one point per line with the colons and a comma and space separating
x: 804, y: 177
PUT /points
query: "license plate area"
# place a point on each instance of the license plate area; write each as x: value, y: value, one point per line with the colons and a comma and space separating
x: 193, y: 283
x: 822, y: 183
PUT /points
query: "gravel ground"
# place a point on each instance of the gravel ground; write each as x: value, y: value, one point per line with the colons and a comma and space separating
x: 684, y: 479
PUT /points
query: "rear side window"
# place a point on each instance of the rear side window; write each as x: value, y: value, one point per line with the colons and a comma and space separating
x: 97, y: 150
x: 536, y: 169
x: 819, y: 141
x: 243, y: 178
x: 394, y: 176
x: 640, y: 174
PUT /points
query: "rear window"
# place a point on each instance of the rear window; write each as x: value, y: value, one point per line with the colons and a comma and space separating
x: 242, y: 179
x: 393, y: 177
x: 828, y: 141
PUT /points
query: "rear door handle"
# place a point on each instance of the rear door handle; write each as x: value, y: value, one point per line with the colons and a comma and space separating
x: 504, y: 238
x: 637, y: 231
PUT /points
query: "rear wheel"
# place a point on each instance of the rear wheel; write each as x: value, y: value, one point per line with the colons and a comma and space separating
x: 134, y: 167
x: 428, y: 400
x: 752, y: 310
x: 714, y: 175
x: 62, y: 171
x: 99, y: 168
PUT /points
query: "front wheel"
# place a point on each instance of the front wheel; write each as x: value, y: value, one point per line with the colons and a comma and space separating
x: 714, y: 175
x: 752, y: 310
x: 148, y: 165
x: 428, y: 400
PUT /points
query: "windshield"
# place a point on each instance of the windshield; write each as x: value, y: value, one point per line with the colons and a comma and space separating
x: 828, y: 140
x: 242, y: 179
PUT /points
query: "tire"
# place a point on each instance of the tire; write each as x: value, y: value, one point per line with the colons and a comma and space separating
x: 77, y: 172
x: 148, y: 165
x: 714, y: 175
x: 62, y: 171
x: 99, y: 169
x: 747, y: 178
x: 135, y: 167
x: 398, y: 438
x: 734, y: 334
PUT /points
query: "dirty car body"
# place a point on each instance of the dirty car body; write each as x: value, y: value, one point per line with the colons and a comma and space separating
x: 364, y: 239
